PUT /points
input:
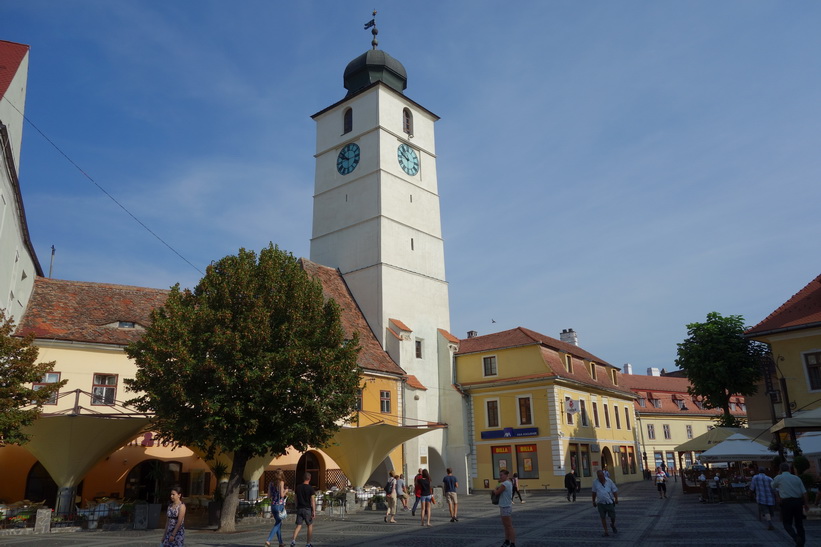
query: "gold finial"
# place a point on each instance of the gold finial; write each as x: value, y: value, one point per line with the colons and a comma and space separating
x: 372, y: 25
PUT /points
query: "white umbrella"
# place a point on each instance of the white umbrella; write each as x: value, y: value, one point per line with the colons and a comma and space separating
x: 737, y: 447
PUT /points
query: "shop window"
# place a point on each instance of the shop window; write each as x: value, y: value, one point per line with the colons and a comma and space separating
x: 585, y: 460
x: 527, y: 461
x: 500, y: 456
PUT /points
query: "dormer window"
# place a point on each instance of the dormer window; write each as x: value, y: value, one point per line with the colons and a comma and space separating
x: 593, y: 371
x: 642, y: 402
x: 126, y: 325
x: 568, y: 363
x: 347, y: 121
x: 614, y: 377
x: 407, y: 121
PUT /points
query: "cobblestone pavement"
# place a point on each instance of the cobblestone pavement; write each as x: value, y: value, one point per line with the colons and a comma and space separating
x: 546, y: 518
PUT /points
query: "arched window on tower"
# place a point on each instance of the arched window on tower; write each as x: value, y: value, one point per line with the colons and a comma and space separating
x: 407, y: 121
x: 347, y: 123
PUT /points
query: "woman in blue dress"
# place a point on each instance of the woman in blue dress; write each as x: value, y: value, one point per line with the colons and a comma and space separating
x: 276, y: 493
x: 175, y: 530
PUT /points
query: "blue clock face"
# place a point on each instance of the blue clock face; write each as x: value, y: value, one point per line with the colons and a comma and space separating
x: 408, y: 159
x: 348, y: 158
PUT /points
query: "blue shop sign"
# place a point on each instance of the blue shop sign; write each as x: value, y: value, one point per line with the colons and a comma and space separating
x: 510, y: 432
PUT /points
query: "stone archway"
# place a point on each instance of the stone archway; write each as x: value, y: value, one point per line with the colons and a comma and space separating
x: 41, y: 487
x: 311, y: 462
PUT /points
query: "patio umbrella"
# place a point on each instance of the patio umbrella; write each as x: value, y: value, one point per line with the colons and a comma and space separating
x: 737, y: 447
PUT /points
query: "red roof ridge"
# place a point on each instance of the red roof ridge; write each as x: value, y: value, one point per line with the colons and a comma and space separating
x: 11, y: 55
x: 413, y: 381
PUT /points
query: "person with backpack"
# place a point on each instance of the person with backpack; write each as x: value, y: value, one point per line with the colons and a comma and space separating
x: 390, y: 497
x: 505, y: 493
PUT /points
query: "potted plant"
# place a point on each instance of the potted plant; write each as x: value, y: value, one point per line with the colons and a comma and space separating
x: 377, y: 503
x: 264, y: 507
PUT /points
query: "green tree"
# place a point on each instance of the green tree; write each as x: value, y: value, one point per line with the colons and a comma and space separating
x: 252, y: 361
x: 20, y: 404
x: 720, y: 363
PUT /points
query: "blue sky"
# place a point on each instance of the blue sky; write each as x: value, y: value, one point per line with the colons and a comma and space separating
x: 620, y: 168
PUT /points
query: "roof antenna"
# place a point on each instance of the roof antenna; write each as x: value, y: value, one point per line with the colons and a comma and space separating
x: 372, y: 25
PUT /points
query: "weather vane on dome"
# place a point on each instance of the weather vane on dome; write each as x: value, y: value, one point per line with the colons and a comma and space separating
x: 372, y: 25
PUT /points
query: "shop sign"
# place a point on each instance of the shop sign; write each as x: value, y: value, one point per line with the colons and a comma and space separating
x: 510, y: 432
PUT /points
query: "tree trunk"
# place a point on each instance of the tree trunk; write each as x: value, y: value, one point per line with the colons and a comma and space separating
x: 228, y: 518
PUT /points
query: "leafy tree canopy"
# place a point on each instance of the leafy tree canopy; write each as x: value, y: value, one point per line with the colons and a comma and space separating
x: 20, y: 404
x: 720, y: 362
x: 252, y: 361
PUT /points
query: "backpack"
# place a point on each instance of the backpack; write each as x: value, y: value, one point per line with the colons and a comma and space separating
x: 494, y: 497
x: 389, y: 487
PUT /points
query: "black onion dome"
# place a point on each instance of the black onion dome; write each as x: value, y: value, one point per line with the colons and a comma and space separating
x: 372, y: 66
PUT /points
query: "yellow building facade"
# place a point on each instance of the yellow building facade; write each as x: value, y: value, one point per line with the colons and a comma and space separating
x: 540, y: 408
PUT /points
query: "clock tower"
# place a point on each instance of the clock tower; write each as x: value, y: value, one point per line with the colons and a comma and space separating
x: 376, y: 218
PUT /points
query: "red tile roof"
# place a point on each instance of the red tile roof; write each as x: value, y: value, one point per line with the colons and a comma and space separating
x: 11, y: 55
x: 77, y: 311
x: 521, y: 336
x: 372, y: 357
x: 448, y: 336
x: 803, y: 310
x: 413, y: 381
x: 668, y: 389
x: 401, y: 325
x: 550, y: 348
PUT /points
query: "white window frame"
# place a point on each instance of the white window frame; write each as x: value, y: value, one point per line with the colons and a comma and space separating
x: 97, y: 387
x: 495, y: 366
x: 805, y: 366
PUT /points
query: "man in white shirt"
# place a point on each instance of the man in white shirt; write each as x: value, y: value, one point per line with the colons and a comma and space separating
x: 605, y: 498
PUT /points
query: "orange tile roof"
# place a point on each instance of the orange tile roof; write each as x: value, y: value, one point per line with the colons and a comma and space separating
x: 401, y: 325
x: 372, y: 357
x: 448, y: 336
x: 801, y: 311
x: 11, y: 55
x: 79, y: 311
x: 413, y: 381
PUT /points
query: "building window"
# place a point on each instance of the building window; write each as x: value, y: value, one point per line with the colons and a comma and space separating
x: 689, y: 431
x: 606, y: 417
x: 48, y: 378
x: 651, y: 431
x: 385, y: 401
x: 656, y: 403
x: 568, y: 409
x: 104, y: 389
x: 741, y: 407
x: 595, y: 414
x: 489, y: 364
x: 525, y: 417
x: 666, y: 429
x: 732, y: 406
x: 418, y: 349
x: 679, y: 403
x: 614, y: 377
x: 593, y: 371
x: 618, y: 418
x: 627, y: 418
x: 492, y: 413
x: 813, y: 363
x: 642, y: 402
x: 359, y: 401
x: 583, y: 410
x: 568, y: 363
x: 126, y: 324
x: 631, y: 456
x: 699, y: 404
x: 407, y: 121
x: 347, y: 122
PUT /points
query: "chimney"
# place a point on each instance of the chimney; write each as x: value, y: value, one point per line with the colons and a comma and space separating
x: 569, y: 336
x: 472, y: 334
x: 653, y: 371
x: 628, y: 368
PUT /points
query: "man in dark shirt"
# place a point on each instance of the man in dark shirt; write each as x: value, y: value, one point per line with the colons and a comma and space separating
x: 571, y: 484
x: 305, y: 508
x: 450, y: 486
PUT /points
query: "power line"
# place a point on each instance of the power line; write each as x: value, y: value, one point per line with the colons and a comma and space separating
x: 103, y: 190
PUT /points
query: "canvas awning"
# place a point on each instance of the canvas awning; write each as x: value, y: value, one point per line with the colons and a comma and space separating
x: 806, y: 420
x: 68, y: 446
x: 810, y: 444
x: 738, y: 447
x: 360, y: 450
x: 714, y: 436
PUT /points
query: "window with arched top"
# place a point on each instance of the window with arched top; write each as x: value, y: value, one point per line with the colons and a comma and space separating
x: 347, y: 123
x: 407, y: 121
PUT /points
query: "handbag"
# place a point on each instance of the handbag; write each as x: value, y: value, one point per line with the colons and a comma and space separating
x: 494, y: 497
x: 282, y: 513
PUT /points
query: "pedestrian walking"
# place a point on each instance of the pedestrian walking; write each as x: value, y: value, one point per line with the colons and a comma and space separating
x: 276, y: 493
x: 390, y: 498
x: 417, y: 491
x: 425, y: 496
x: 515, y: 482
x: 305, y: 508
x: 571, y: 483
x: 402, y: 491
x: 792, y: 495
x: 175, y: 529
x: 505, y: 492
x: 605, y: 499
x: 762, y: 486
x: 661, y: 482
x: 450, y: 485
